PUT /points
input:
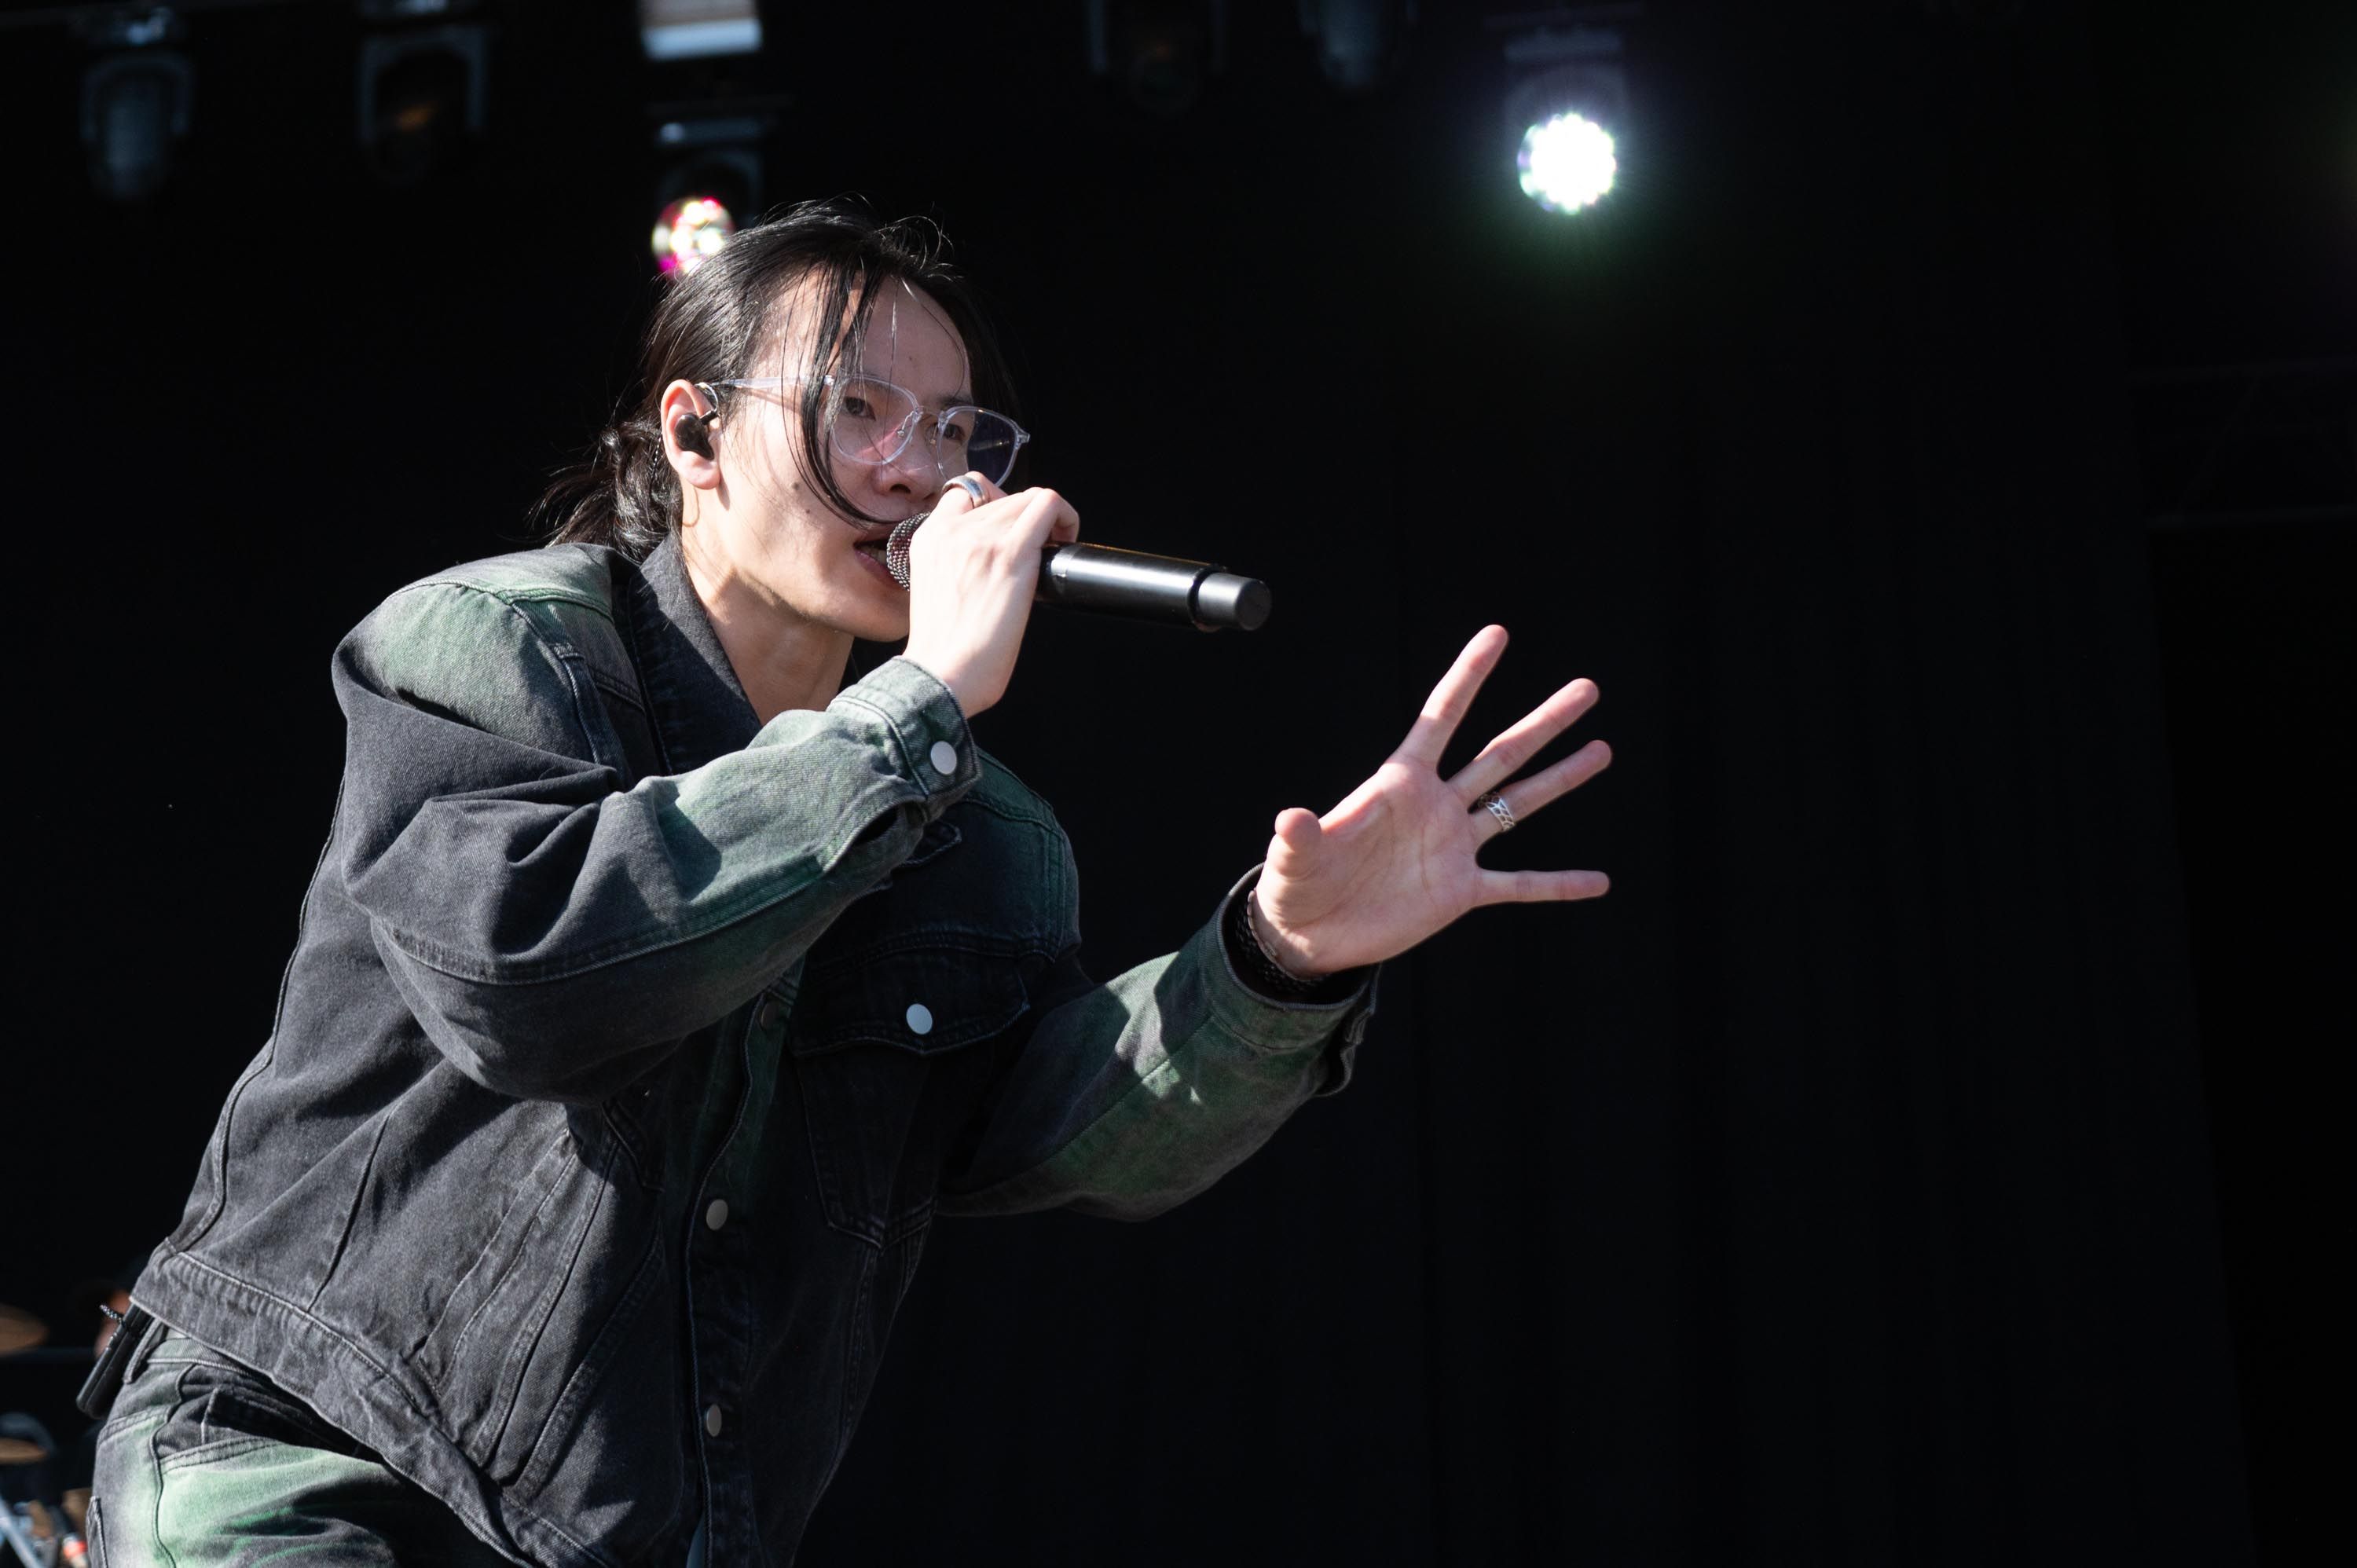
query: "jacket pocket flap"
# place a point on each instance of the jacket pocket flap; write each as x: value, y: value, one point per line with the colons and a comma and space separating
x: 913, y: 998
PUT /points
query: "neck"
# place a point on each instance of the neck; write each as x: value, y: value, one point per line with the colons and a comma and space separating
x: 783, y: 660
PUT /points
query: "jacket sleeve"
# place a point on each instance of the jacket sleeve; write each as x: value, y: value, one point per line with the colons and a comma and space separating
x: 553, y: 931
x: 1130, y: 1097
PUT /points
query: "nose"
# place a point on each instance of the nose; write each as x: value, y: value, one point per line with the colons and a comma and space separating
x: 913, y: 471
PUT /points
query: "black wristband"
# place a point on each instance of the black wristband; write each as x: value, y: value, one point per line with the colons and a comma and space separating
x: 1260, y: 971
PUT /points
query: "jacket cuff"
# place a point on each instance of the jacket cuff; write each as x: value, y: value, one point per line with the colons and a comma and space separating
x: 1332, y: 1023
x: 931, y: 746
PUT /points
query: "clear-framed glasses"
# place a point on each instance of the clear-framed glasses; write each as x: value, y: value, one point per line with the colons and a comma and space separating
x: 871, y: 421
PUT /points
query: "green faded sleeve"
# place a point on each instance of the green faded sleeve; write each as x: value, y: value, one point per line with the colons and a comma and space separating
x: 555, y: 928
x: 1131, y: 1097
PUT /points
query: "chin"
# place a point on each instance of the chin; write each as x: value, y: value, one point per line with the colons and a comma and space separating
x: 873, y: 625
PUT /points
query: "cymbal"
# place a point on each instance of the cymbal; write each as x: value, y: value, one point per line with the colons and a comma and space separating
x: 19, y: 1329
x: 16, y: 1451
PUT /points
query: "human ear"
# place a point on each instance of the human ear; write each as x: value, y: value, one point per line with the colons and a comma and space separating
x: 687, y: 414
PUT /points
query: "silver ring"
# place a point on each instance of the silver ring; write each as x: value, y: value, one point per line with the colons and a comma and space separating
x: 1495, y: 804
x: 972, y: 486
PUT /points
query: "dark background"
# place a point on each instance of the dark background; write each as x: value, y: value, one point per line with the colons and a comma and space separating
x: 1939, y: 448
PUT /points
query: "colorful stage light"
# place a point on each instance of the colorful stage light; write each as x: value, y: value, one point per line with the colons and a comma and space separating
x: 689, y: 231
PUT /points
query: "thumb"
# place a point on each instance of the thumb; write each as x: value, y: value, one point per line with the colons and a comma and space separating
x: 1299, y: 838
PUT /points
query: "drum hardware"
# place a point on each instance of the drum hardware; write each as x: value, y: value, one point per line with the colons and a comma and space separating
x: 19, y: 1329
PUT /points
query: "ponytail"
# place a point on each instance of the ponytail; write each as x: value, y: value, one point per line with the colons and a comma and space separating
x: 623, y: 495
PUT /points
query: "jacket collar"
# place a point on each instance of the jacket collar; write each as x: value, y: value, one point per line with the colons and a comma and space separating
x: 699, y: 710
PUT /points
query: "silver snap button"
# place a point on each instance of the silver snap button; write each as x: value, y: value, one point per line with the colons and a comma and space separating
x: 945, y: 758
x: 715, y: 1214
x: 921, y: 1018
x: 712, y: 1421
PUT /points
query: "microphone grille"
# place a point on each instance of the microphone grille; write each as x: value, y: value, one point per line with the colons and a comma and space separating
x: 896, y: 549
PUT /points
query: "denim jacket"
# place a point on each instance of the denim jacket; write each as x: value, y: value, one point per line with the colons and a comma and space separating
x: 630, y: 1047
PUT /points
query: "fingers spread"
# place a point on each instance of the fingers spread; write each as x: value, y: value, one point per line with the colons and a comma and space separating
x: 1541, y: 886
x: 1445, y: 709
x: 1524, y: 799
x: 1503, y: 757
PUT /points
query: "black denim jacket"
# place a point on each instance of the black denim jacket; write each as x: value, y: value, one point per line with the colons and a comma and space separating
x: 629, y: 1048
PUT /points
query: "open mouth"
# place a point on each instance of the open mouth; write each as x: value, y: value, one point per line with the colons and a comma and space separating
x: 875, y: 547
x: 871, y: 553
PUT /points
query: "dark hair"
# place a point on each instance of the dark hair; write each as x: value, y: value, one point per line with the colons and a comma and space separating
x: 714, y: 323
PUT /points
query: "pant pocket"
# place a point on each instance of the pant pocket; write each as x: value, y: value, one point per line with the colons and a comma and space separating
x: 123, y: 1484
x: 222, y: 1407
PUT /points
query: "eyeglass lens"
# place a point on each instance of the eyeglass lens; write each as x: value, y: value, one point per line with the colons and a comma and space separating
x: 873, y: 422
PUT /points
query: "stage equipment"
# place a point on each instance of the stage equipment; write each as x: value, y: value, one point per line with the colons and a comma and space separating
x: 135, y: 101
x: 715, y: 183
x: 1567, y: 103
x: 19, y: 1329
x: 424, y: 91
x: 1360, y: 42
x: 690, y: 231
x: 1163, y: 50
x: 710, y: 120
x: 698, y: 30
x: 1126, y: 583
x: 1565, y: 163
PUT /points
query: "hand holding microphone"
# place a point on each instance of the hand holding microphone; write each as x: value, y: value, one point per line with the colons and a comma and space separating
x: 1082, y: 576
x: 971, y: 571
x: 1126, y: 582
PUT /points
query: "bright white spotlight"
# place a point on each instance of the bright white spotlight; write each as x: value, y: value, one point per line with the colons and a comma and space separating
x: 1567, y: 162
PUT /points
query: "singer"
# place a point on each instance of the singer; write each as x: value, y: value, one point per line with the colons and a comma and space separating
x: 660, y: 982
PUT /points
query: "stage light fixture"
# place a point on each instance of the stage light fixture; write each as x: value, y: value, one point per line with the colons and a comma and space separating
x: 690, y: 231
x: 423, y: 91
x: 715, y: 182
x: 698, y: 30
x: 1360, y: 42
x: 1567, y: 162
x: 1163, y: 50
x: 1567, y: 108
x: 413, y: 10
x: 136, y: 102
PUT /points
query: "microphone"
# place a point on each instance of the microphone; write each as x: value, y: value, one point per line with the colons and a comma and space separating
x: 1126, y: 582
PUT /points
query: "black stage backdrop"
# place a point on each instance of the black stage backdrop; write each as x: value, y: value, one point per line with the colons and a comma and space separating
x: 1838, y: 1190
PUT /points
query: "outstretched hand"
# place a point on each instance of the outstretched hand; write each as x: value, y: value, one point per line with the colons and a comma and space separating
x: 1395, y: 862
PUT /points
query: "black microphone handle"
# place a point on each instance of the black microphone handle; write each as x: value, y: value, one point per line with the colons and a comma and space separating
x: 1126, y: 582
x: 1150, y: 588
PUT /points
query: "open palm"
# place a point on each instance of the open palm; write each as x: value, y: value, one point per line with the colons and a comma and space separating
x: 1394, y: 861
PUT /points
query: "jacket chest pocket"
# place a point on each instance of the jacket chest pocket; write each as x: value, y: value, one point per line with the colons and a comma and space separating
x: 887, y: 1051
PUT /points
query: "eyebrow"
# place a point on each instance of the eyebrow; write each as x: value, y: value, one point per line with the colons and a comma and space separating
x: 954, y: 400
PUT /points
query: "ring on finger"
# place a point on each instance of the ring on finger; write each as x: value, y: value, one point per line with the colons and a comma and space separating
x: 972, y: 486
x: 1495, y: 804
